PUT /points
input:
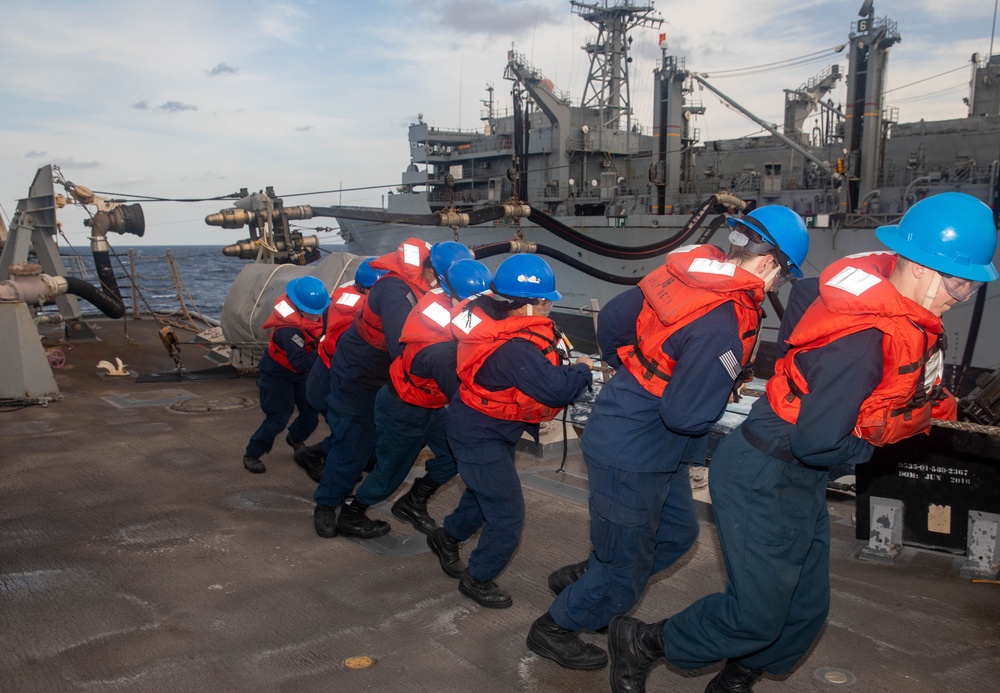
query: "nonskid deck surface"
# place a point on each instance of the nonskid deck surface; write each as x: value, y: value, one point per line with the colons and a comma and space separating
x: 137, y: 554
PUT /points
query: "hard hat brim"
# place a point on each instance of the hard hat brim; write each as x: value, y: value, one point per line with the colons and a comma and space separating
x: 891, y: 238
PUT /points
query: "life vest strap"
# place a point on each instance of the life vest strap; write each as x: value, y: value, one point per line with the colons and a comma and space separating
x: 651, y: 366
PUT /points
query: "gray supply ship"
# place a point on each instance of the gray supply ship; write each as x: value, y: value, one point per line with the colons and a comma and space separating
x: 609, y: 197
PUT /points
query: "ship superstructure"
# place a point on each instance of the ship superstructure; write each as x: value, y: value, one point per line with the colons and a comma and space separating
x: 595, y: 168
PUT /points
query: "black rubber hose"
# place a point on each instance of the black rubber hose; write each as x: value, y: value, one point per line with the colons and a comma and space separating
x: 493, y: 249
x: 105, y: 302
x: 587, y: 269
x: 106, y: 273
x: 621, y: 252
x: 485, y: 214
x: 542, y: 219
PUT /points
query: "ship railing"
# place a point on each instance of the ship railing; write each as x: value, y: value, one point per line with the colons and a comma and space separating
x: 536, y: 74
x: 497, y: 114
x: 448, y: 132
x: 500, y: 143
x: 869, y: 221
x: 862, y: 26
x: 148, y: 284
x: 816, y: 79
x: 459, y: 197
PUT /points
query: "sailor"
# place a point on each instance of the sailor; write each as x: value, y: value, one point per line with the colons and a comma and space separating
x: 410, y: 408
x: 510, y: 363
x: 862, y: 369
x: 347, y: 299
x: 359, y: 367
x: 297, y: 327
x: 685, y: 338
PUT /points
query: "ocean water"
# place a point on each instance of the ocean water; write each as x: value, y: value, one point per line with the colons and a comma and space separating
x: 205, y: 272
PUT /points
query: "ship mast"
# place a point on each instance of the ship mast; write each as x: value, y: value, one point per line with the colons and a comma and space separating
x: 607, y: 88
x: 869, y: 56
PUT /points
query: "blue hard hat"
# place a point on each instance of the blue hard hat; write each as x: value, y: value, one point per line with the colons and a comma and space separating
x: 952, y: 233
x: 445, y: 254
x: 366, y: 275
x: 465, y: 278
x: 782, y: 228
x: 525, y: 276
x: 308, y: 294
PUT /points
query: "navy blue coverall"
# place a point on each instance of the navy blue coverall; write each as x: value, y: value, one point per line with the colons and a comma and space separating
x: 282, y: 391
x: 768, y: 486
x: 404, y: 429
x: 357, y: 371
x: 637, y: 447
x: 484, y: 449
x: 317, y: 388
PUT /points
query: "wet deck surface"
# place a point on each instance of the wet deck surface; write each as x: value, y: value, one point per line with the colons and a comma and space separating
x: 137, y: 554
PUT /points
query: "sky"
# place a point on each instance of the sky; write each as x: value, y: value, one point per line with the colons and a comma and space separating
x: 200, y: 98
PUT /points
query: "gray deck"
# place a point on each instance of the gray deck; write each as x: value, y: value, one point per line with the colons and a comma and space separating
x: 137, y: 554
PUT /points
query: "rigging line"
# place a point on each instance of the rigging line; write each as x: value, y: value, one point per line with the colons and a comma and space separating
x: 940, y: 74
x: 150, y: 198
x: 234, y: 196
x: 750, y: 71
x: 341, y: 190
x: 954, y: 89
x: 833, y: 49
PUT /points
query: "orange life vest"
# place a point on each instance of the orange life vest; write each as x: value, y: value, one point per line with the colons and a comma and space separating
x: 478, y: 337
x: 855, y: 295
x: 345, y: 302
x: 406, y: 263
x: 285, y: 314
x: 693, y: 281
x: 427, y: 324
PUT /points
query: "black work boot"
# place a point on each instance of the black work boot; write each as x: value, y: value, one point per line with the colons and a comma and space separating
x: 310, y: 459
x: 564, y: 647
x: 634, y: 647
x: 295, y: 444
x: 445, y: 547
x: 253, y: 464
x: 354, y: 523
x: 484, y: 592
x: 325, y: 521
x: 734, y: 678
x: 566, y: 576
x: 412, y: 507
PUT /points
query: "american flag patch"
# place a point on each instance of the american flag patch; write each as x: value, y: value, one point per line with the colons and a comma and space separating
x: 731, y: 364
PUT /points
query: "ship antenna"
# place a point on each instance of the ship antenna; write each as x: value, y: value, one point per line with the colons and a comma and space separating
x: 994, y: 31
